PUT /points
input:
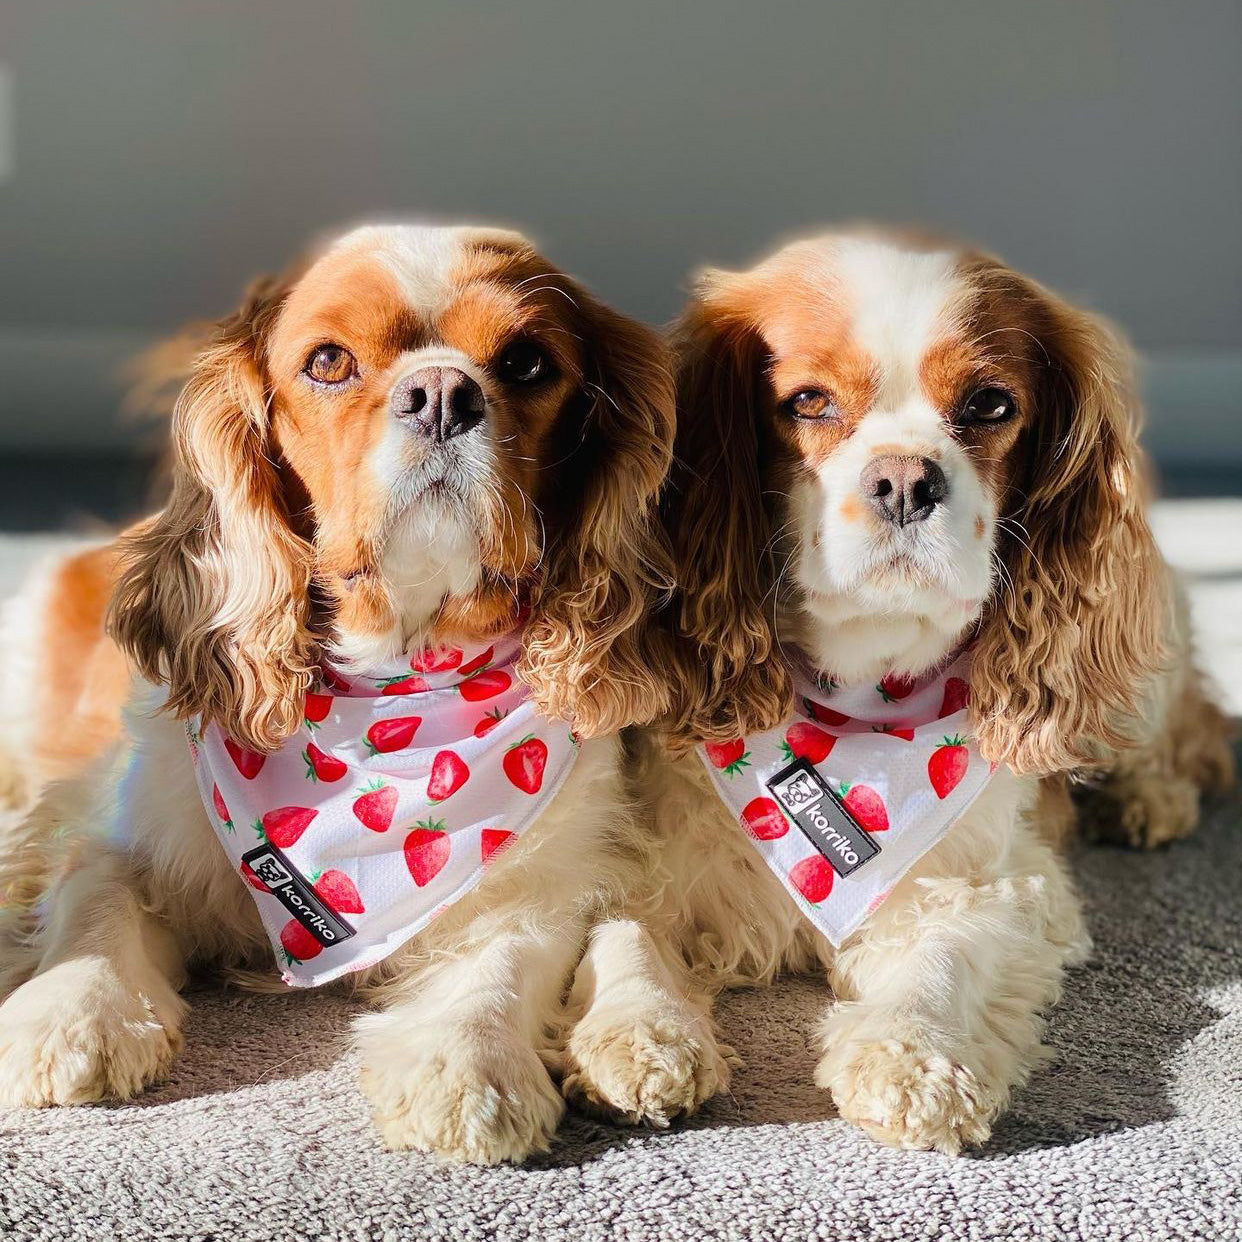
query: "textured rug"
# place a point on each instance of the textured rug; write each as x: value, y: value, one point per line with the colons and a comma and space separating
x: 1133, y: 1132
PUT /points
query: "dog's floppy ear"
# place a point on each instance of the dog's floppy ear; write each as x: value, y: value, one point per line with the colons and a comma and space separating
x: 213, y: 594
x: 730, y: 674
x: 1064, y: 656
x: 605, y: 563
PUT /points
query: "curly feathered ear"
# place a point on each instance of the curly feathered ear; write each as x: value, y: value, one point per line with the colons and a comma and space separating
x: 1064, y: 657
x: 605, y: 563
x: 730, y: 673
x: 213, y: 598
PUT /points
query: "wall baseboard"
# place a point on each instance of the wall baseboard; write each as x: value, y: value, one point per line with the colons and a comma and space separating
x: 64, y: 390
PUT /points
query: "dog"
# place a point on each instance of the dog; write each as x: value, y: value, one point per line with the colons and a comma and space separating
x: 903, y: 472
x: 424, y: 449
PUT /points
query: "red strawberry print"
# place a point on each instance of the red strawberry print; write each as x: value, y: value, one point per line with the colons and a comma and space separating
x: 217, y: 800
x: 253, y: 880
x: 298, y: 943
x: 906, y: 735
x: 427, y: 849
x: 948, y: 765
x: 402, y: 685
x: 493, y: 839
x: 436, y: 660
x: 524, y: 763
x: 485, y: 685
x: 374, y: 806
x: 482, y: 660
x: 894, y: 687
x: 334, y: 681
x: 956, y: 696
x: 489, y: 722
x: 248, y: 762
x: 321, y: 767
x: 812, y: 877
x: 807, y: 741
x: 825, y: 715
x: 448, y: 774
x: 866, y: 806
x: 729, y: 757
x: 338, y: 891
x: 385, y: 736
x: 764, y: 820
x: 285, y: 825
x: 316, y: 710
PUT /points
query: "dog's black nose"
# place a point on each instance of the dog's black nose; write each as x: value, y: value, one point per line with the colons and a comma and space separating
x: 440, y: 402
x: 903, y: 489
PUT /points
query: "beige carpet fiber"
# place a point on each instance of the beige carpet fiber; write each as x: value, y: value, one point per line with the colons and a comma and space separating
x: 1133, y: 1133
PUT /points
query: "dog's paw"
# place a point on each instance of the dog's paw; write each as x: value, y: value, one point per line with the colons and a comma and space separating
x: 79, y: 1033
x: 910, y: 1097
x: 644, y: 1068
x: 469, y: 1096
x: 1138, y: 811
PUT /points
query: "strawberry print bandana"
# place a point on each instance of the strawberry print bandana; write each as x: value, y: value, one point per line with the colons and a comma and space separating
x: 857, y: 767
x: 386, y: 806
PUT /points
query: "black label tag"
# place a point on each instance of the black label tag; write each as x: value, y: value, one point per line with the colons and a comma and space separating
x: 823, y: 818
x: 287, y: 883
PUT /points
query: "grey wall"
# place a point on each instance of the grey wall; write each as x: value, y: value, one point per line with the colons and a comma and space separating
x: 165, y: 151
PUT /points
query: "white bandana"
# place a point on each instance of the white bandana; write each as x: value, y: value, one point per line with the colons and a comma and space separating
x: 386, y: 805
x: 898, y: 756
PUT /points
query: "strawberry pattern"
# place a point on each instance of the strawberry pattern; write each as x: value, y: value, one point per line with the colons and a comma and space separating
x: 897, y: 753
x: 391, y: 800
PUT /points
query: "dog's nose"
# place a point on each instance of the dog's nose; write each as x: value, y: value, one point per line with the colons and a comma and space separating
x: 440, y: 402
x: 903, y: 489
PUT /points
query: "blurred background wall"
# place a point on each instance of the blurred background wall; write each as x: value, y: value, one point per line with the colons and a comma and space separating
x: 156, y: 154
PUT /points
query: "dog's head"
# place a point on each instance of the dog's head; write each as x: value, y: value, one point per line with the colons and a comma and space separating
x: 886, y: 449
x: 422, y: 433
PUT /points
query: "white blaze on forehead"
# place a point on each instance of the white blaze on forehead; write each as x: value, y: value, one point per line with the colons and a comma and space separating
x: 901, y: 302
x: 424, y: 258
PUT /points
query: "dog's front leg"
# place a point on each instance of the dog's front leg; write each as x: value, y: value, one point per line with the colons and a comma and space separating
x: 941, y: 994
x: 453, y: 1063
x: 100, y: 1017
x: 642, y: 1046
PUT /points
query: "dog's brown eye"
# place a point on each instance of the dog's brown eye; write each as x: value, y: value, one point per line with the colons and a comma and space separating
x: 988, y: 405
x: 809, y: 403
x: 523, y: 362
x: 331, y: 364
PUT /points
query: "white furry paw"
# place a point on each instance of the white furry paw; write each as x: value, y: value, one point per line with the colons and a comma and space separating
x: 467, y: 1095
x: 909, y: 1097
x: 644, y: 1068
x: 79, y: 1033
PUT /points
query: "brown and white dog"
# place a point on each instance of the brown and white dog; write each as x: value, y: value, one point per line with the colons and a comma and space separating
x: 423, y: 432
x: 886, y: 449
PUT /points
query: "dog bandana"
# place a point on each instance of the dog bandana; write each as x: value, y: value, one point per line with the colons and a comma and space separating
x: 842, y: 800
x: 386, y: 806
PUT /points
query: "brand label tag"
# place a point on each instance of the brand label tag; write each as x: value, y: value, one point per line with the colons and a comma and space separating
x: 285, y: 882
x: 823, y: 817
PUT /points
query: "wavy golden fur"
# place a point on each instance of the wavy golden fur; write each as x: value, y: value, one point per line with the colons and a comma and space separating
x: 1064, y: 658
x: 214, y: 594
x: 724, y: 650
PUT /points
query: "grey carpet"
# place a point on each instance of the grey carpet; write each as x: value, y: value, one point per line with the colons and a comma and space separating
x: 1134, y: 1133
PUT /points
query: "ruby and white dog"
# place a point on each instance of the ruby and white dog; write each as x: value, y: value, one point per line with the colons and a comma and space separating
x: 888, y: 452
x: 421, y: 437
